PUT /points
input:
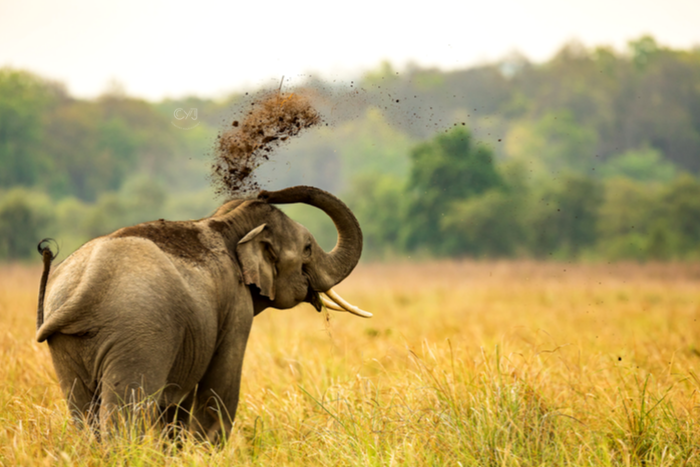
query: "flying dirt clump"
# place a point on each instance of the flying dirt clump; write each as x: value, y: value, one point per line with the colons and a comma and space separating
x: 275, y: 117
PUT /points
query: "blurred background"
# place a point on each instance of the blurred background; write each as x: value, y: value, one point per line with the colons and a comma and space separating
x: 513, y: 129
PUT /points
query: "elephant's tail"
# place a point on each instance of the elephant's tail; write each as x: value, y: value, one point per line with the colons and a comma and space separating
x: 48, y: 257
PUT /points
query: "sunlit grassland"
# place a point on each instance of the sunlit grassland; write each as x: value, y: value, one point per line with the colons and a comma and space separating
x: 463, y: 363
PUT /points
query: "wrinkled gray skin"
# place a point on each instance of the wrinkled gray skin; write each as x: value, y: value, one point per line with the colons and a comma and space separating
x: 165, y: 308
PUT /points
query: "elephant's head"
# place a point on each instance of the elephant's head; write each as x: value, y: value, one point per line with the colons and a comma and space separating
x: 281, y: 260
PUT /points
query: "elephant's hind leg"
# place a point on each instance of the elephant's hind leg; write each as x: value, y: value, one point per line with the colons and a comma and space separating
x: 76, y: 383
x: 132, y: 390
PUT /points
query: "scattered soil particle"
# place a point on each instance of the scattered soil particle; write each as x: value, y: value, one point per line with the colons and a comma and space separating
x: 273, y: 119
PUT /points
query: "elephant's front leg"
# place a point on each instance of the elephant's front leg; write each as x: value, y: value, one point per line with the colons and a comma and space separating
x: 177, y: 416
x: 217, y: 395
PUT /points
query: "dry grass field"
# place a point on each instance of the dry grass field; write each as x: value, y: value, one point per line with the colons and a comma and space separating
x: 464, y: 363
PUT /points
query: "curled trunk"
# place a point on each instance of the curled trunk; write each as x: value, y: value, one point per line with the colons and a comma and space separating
x: 329, y: 268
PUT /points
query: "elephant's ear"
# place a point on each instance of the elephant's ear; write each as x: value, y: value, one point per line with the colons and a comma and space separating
x: 256, y: 262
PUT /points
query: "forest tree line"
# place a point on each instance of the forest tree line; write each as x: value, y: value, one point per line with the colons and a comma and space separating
x: 592, y: 154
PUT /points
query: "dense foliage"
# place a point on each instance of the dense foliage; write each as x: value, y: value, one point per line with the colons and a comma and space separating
x: 592, y: 154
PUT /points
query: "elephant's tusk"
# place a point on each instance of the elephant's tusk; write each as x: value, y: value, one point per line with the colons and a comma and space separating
x: 330, y: 304
x: 348, y: 307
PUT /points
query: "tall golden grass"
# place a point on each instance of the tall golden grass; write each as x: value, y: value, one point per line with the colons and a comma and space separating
x: 464, y: 363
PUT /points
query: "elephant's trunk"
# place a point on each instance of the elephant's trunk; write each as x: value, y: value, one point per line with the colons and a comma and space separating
x: 335, y: 266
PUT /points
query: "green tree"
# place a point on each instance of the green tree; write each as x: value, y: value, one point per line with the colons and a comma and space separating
x: 108, y: 214
x: 144, y: 199
x: 642, y: 50
x: 553, y: 145
x: 564, y: 215
x: 384, y: 75
x: 447, y: 169
x: 24, y: 101
x: 680, y: 211
x: 379, y: 202
x: 625, y: 219
x: 643, y: 165
x: 95, y: 146
x: 491, y: 224
x: 23, y: 218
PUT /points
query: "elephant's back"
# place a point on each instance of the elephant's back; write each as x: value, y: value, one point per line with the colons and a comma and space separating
x: 107, y: 280
x: 181, y: 240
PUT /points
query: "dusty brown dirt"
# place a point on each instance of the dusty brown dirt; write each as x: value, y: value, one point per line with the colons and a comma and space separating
x: 179, y: 239
x: 273, y: 119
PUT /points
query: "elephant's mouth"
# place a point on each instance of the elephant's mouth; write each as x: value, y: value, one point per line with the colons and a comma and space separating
x: 314, y: 298
x: 331, y: 300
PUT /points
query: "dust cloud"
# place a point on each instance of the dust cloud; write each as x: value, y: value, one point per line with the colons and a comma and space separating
x: 273, y: 119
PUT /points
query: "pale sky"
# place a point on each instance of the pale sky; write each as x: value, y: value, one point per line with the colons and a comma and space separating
x: 159, y: 49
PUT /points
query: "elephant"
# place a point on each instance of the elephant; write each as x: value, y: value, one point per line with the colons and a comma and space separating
x: 161, y: 311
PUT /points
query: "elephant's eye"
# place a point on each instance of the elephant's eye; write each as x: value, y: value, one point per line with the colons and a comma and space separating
x: 270, y: 252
